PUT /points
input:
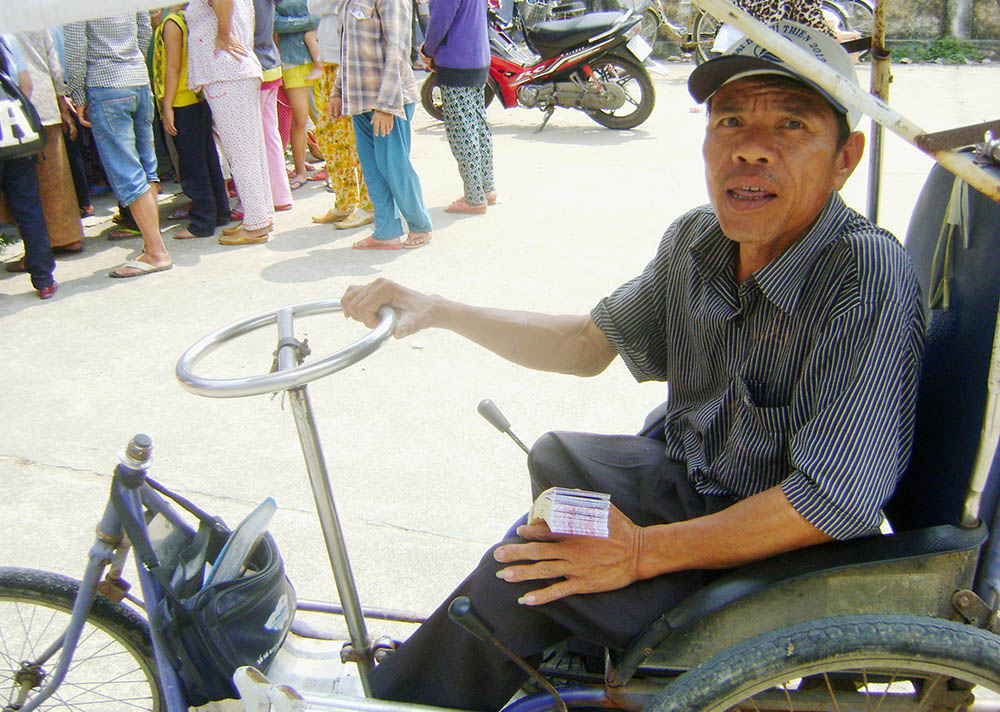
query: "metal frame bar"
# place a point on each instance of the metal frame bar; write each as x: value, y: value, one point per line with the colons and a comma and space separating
x: 852, y: 95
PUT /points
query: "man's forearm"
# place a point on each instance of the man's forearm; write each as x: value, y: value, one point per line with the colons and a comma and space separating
x: 564, y: 344
x: 755, y: 528
x: 224, y: 16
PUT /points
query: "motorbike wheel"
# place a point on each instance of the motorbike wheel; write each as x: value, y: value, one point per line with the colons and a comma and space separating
x: 639, y: 96
x: 430, y: 97
x: 703, y: 32
x: 650, y: 28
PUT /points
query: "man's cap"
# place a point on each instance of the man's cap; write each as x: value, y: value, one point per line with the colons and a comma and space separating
x: 747, y: 58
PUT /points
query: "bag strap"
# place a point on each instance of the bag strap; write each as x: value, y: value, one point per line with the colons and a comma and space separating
x: 139, y: 537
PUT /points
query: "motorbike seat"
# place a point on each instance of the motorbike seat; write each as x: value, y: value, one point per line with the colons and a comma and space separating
x: 551, y: 37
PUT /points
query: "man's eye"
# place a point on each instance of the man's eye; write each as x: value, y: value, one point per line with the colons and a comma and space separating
x: 793, y: 124
x: 729, y: 121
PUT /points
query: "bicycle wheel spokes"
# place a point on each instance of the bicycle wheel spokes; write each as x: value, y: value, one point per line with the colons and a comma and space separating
x: 105, y: 673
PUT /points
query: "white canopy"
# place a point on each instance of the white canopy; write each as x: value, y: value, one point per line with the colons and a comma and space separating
x: 17, y: 15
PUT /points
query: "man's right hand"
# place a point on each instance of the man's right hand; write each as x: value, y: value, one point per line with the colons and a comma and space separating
x: 413, y: 309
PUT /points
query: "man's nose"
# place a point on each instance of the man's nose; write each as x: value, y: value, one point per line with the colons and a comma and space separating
x: 754, y: 146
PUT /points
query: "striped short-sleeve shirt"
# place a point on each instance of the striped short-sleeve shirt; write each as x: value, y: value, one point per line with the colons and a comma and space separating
x: 804, y: 376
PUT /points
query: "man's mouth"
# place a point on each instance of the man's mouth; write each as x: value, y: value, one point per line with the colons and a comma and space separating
x: 749, y: 193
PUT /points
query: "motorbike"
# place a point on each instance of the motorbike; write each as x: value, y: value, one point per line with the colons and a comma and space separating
x: 592, y: 63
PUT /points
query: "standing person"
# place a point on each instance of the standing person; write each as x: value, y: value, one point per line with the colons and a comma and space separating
x: 457, y: 49
x: 379, y: 92
x: 187, y: 118
x: 19, y: 185
x: 55, y: 178
x: 790, y: 329
x: 291, y: 21
x: 107, y: 78
x: 270, y: 64
x: 222, y: 66
x: 73, y: 136
x: 352, y: 207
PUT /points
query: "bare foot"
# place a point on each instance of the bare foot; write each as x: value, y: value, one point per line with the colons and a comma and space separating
x: 184, y: 234
x: 161, y: 264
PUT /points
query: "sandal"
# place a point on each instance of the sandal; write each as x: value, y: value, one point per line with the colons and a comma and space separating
x: 417, y: 239
x: 370, y: 243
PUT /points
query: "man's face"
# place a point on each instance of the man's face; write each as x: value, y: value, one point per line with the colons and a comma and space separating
x: 771, y: 161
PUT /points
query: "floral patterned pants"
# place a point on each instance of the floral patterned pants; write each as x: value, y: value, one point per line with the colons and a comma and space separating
x: 336, y: 141
x: 470, y: 139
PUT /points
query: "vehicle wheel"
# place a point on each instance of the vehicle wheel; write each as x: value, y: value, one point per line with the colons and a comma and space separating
x: 430, y: 97
x: 835, y: 15
x: 112, y: 669
x: 858, y: 15
x: 703, y: 32
x: 650, y: 27
x: 639, y: 95
x: 847, y: 663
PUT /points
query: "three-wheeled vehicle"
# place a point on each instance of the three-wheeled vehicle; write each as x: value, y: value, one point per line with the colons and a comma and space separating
x: 906, y: 620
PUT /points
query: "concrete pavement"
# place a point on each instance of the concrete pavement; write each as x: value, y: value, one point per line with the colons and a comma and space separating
x: 422, y: 483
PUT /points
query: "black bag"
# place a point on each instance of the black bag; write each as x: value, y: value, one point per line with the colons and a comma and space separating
x: 210, y: 631
x: 21, y: 131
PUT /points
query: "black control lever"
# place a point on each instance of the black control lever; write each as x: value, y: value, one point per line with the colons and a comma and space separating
x: 488, y: 409
x: 460, y: 611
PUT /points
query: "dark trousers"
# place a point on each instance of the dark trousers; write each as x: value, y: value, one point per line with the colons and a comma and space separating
x: 441, y: 664
x: 19, y: 184
x: 201, y: 174
x: 75, y: 154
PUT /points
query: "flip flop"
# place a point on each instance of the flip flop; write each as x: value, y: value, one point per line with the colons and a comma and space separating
x: 143, y: 267
x: 296, y: 184
x: 318, y: 175
x: 417, y: 239
x: 123, y: 233
x: 370, y: 243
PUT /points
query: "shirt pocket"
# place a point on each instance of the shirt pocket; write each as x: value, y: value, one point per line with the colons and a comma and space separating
x: 361, y: 10
x: 758, y: 439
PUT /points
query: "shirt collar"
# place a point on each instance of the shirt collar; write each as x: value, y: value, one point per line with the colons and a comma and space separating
x: 781, y: 280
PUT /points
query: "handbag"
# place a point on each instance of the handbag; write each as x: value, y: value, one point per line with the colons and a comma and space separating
x: 213, y: 623
x: 21, y: 131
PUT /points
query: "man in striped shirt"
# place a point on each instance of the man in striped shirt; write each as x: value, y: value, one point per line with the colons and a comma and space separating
x: 790, y: 329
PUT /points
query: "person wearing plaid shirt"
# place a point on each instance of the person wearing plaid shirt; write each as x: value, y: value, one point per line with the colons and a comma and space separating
x: 375, y: 86
x: 107, y: 79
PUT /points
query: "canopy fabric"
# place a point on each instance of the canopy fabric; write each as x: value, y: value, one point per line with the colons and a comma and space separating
x: 18, y: 15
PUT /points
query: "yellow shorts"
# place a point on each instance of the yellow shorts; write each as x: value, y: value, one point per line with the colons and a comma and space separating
x: 294, y: 77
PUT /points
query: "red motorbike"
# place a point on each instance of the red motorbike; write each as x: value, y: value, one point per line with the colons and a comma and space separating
x: 592, y: 63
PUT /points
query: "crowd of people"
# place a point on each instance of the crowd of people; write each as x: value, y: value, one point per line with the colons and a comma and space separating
x: 211, y: 89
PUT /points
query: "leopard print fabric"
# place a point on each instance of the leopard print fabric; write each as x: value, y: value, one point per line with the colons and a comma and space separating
x: 806, y: 12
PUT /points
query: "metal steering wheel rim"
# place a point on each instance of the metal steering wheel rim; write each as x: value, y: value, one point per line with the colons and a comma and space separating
x: 283, y: 379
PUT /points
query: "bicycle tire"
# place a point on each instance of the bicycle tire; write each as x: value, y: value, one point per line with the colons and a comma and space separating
x: 703, y: 32
x: 861, y: 660
x: 113, y: 667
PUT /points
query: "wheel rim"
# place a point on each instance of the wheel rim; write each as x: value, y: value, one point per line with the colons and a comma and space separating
x: 621, y: 75
x: 704, y: 38
x: 650, y: 27
x: 867, y: 685
x: 106, y: 674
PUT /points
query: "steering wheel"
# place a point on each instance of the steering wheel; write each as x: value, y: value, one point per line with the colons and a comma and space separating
x: 288, y: 375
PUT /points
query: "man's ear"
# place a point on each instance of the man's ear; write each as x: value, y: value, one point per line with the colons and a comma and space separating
x: 847, y: 159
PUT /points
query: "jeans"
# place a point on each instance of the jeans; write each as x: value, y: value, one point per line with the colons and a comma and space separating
x: 393, y: 185
x: 19, y: 184
x: 201, y: 175
x: 122, y: 122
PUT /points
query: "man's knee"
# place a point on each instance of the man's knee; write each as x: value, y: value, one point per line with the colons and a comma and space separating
x: 549, y: 463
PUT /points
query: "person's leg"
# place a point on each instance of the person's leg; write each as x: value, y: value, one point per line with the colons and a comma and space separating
x: 220, y: 193
x: 298, y: 97
x: 20, y: 186
x: 485, y: 146
x: 195, y: 180
x: 78, y: 170
x: 393, y: 155
x: 281, y: 193
x: 236, y: 110
x: 388, y: 226
x: 443, y: 665
x: 122, y: 124
x: 463, y: 139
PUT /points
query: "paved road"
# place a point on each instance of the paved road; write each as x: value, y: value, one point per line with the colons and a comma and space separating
x: 423, y: 484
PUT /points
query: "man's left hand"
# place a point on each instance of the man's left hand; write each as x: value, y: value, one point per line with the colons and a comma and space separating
x: 586, y: 564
